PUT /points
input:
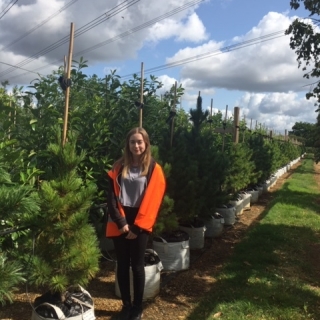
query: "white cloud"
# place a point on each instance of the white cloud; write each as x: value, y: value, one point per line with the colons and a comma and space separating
x: 191, y: 30
x: 167, y: 83
x: 264, y: 73
x: 277, y: 111
x: 267, y: 66
x: 117, y: 38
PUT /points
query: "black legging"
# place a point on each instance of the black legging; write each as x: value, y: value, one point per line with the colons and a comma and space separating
x: 131, y: 252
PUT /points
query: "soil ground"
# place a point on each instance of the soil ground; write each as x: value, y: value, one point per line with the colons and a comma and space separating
x: 180, y: 291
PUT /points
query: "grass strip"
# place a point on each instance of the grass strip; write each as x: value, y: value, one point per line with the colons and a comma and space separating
x: 274, y: 272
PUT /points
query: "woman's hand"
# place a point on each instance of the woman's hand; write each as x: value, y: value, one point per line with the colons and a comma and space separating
x: 125, y: 229
x: 131, y: 235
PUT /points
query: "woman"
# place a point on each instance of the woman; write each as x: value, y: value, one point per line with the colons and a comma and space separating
x: 137, y: 186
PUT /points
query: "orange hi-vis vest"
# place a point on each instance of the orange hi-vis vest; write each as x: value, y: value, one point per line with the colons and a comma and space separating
x: 150, y: 205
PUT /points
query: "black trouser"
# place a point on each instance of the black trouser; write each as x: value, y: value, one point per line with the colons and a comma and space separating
x: 131, y: 253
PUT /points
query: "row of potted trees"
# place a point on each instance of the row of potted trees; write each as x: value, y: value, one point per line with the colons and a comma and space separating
x: 69, y: 182
x: 173, y: 250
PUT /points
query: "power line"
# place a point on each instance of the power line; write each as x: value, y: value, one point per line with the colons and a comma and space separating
x: 131, y: 31
x: 107, y: 15
x: 142, y: 26
x: 40, y: 24
x: 226, y: 49
x: 16, y: 67
x: 6, y: 9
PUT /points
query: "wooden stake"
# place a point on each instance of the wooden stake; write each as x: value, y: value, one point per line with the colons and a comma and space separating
x: 10, y: 105
x: 211, y: 113
x: 66, y: 109
x: 225, y: 117
x: 245, y: 127
x: 65, y: 65
x: 236, y: 124
x: 174, y: 109
x: 141, y: 96
x: 223, y: 136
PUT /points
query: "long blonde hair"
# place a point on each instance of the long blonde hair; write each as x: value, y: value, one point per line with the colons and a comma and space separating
x: 127, y: 158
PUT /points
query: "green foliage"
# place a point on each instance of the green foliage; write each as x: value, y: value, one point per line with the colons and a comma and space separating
x: 304, y: 39
x: 305, y: 132
x: 262, y: 156
x: 317, y: 140
x: 11, y: 275
x: 72, y: 179
x: 63, y: 225
x: 241, y: 170
x: 197, y: 168
x: 167, y: 220
x: 18, y: 203
x: 182, y: 183
x: 270, y: 274
x: 197, y: 116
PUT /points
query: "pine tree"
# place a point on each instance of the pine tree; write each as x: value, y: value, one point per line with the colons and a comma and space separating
x: 167, y: 220
x: 17, y: 204
x: 66, y: 248
x: 241, y: 171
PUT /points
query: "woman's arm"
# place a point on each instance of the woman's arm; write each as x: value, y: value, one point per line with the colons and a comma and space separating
x: 113, y: 210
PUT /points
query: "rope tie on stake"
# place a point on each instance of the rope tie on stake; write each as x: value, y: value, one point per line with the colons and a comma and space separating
x: 64, y: 82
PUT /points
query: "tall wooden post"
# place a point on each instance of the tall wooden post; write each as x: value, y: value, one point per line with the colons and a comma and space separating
x: 285, y: 135
x: 174, y: 109
x: 65, y: 65
x: 10, y: 118
x: 245, y: 127
x: 67, y: 92
x: 224, y: 126
x: 236, y: 124
x: 211, y: 113
x: 224, y: 129
x: 141, y: 96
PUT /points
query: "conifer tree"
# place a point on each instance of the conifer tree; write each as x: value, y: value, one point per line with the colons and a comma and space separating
x: 241, y: 171
x: 167, y: 220
x: 17, y: 204
x: 66, y: 248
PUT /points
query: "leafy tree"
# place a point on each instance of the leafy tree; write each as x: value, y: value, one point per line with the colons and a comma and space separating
x: 304, y: 40
x: 306, y: 131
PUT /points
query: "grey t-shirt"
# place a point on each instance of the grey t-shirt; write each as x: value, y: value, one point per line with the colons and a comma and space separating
x: 132, y: 188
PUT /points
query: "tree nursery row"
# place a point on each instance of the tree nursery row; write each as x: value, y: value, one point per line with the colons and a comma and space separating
x: 52, y: 194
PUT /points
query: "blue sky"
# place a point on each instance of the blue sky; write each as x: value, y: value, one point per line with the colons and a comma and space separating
x: 261, y: 78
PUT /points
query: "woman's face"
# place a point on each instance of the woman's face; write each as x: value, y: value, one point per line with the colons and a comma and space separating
x: 137, y: 145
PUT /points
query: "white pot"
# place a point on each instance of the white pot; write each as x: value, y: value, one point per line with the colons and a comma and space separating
x: 238, y: 204
x: 214, y: 227
x: 55, y: 313
x: 254, y: 195
x: 196, y: 236
x: 229, y: 215
x: 246, y: 197
x: 174, y: 256
x: 152, y: 284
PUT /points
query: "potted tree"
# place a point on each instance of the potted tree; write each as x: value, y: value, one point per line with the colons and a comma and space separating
x: 66, y: 254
